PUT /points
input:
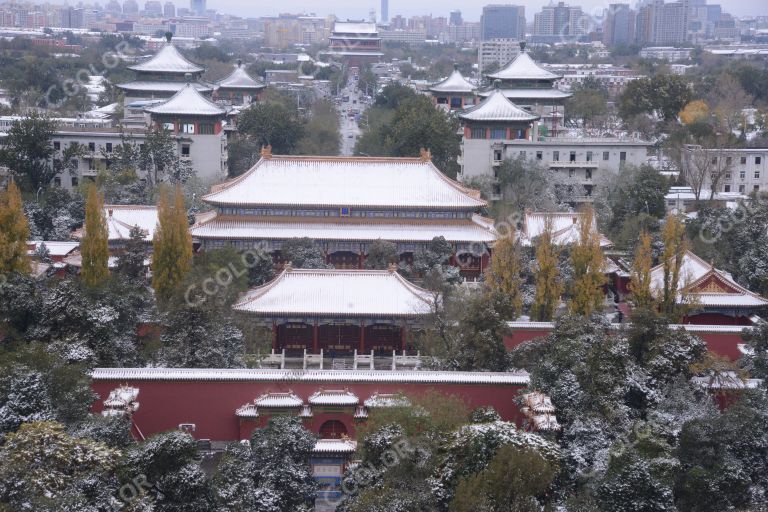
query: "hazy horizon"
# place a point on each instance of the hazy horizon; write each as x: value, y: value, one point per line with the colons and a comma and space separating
x: 470, y: 10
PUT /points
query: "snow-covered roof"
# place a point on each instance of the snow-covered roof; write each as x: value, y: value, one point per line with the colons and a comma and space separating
x: 537, y: 402
x: 347, y: 27
x: 387, y: 400
x: 242, y: 228
x: 565, y: 227
x: 188, y: 101
x: 121, y: 400
x: 345, y: 182
x: 337, y: 292
x: 240, y: 79
x: 519, y: 378
x: 454, y: 83
x: 167, y: 60
x: 55, y: 249
x: 247, y: 411
x: 122, y: 218
x: 497, y: 107
x: 728, y: 380
x: 143, y: 85
x: 333, y: 397
x: 529, y: 93
x: 706, y: 285
x: 278, y: 400
x: 335, y: 446
x: 523, y: 67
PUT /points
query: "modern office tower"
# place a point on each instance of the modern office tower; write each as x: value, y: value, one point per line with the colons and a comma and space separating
x: 197, y: 6
x: 619, y: 25
x: 384, y: 11
x: 169, y: 10
x: 502, y: 21
x: 455, y: 18
x: 660, y: 23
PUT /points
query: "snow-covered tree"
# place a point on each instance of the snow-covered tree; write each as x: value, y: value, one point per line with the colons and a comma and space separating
x: 303, y: 253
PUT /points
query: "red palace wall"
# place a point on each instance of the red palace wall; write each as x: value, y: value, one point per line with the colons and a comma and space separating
x: 721, y: 343
x: 211, y: 405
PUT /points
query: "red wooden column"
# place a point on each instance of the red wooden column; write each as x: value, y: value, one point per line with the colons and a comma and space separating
x: 315, y: 349
x: 274, y: 336
x: 362, y: 338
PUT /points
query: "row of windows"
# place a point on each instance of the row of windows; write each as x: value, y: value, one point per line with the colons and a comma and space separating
x: 742, y: 160
x: 742, y: 188
x: 345, y: 212
x: 590, y: 156
x: 743, y: 175
x: 190, y: 128
x: 109, y: 147
x: 497, y: 133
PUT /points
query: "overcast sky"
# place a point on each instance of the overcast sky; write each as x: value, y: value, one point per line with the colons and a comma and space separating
x: 470, y: 8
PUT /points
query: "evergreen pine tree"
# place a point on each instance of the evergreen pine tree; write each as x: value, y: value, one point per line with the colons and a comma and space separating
x: 172, y: 255
x: 640, y: 286
x: 587, y: 261
x: 548, y: 285
x: 94, y: 247
x: 130, y: 262
x: 14, y: 232
x: 504, y: 276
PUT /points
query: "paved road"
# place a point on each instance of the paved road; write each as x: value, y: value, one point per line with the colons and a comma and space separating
x: 350, y: 130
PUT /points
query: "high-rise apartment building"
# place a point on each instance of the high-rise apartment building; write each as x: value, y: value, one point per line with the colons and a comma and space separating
x: 619, y: 25
x: 197, y: 6
x: 384, y: 11
x: 558, y: 22
x: 660, y: 23
x: 169, y: 10
x: 455, y: 18
x: 502, y: 21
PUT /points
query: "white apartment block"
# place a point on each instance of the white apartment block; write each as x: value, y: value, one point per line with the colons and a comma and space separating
x: 581, y: 160
x: 744, y: 170
x: 497, y: 51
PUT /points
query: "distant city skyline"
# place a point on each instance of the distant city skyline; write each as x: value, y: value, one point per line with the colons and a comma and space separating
x: 470, y: 12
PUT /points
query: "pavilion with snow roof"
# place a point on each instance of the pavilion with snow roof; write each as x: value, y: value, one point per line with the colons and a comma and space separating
x: 345, y: 204
x: 530, y: 86
x: 497, y: 118
x: 338, y: 311
x: 717, y: 299
x: 196, y: 123
x: 160, y: 77
x: 455, y: 92
x: 239, y: 88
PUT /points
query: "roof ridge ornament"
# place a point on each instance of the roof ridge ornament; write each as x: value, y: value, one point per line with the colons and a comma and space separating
x: 497, y: 84
x: 392, y: 268
x: 266, y: 151
x: 288, y: 267
x: 425, y: 155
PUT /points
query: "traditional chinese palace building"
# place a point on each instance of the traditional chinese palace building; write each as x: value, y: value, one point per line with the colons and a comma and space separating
x: 531, y: 87
x: 345, y: 204
x: 715, y: 297
x: 355, y: 43
x: 239, y: 88
x: 228, y: 404
x: 454, y: 93
x: 338, y: 311
x: 158, y: 78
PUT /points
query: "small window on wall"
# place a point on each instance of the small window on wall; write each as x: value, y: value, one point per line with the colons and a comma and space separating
x: 169, y: 126
x: 57, y: 145
x: 726, y: 188
x: 185, y: 150
x: 497, y: 155
x: 455, y: 102
x: 758, y: 160
x: 344, y: 211
x: 623, y: 156
x: 188, y: 128
x: 75, y: 181
x: 606, y: 156
x: 57, y: 181
x: 742, y: 188
x: 589, y: 156
x: 91, y: 147
x: 539, y: 155
x: 520, y: 134
x: 206, y: 129
x: 555, y: 156
x: 478, y: 133
x: 109, y: 147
